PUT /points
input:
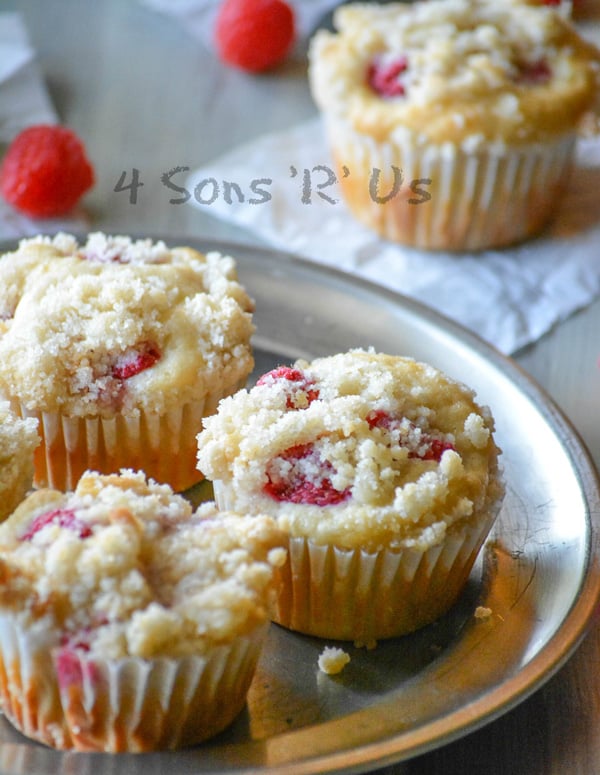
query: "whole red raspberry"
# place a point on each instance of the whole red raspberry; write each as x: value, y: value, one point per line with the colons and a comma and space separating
x: 45, y: 171
x: 254, y: 34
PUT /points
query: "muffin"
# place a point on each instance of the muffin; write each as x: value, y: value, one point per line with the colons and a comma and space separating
x: 18, y: 440
x: 383, y: 472
x: 452, y: 123
x: 118, y: 348
x: 127, y: 622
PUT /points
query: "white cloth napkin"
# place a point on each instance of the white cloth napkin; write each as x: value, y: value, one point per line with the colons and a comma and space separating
x: 24, y: 102
x: 199, y: 16
x: 510, y: 297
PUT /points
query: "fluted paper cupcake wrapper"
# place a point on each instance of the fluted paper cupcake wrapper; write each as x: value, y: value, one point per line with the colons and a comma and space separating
x: 363, y: 596
x: 69, y: 700
x: 367, y: 596
x: 480, y: 199
x: 162, y: 445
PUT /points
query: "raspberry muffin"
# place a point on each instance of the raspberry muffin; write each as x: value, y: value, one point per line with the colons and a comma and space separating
x: 18, y: 440
x: 127, y: 622
x: 453, y: 122
x: 384, y: 474
x: 118, y: 348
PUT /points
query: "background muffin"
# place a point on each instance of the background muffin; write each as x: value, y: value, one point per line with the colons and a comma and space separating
x: 127, y: 623
x: 119, y: 348
x: 456, y: 119
x: 18, y: 440
x: 383, y: 472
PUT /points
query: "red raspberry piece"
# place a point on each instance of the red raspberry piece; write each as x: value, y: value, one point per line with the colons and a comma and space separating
x: 136, y: 360
x: 429, y: 447
x: 69, y: 665
x: 298, y: 383
x: 435, y: 448
x: 45, y: 171
x: 110, y: 257
x: 383, y: 77
x: 378, y: 418
x: 307, y: 481
x: 534, y: 72
x: 61, y: 517
x: 254, y: 35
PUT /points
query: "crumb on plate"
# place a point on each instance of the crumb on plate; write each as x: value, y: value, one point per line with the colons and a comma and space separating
x: 333, y: 660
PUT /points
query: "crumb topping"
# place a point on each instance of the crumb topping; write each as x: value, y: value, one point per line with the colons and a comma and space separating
x: 119, y: 325
x: 123, y: 567
x: 455, y: 70
x: 385, y: 451
x: 18, y: 440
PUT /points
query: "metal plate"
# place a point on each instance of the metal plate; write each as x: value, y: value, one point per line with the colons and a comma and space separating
x: 539, y: 572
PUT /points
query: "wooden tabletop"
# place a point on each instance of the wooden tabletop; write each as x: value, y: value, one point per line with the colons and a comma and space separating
x: 145, y: 95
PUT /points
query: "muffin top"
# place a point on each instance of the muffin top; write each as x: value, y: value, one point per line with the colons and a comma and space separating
x: 459, y: 71
x: 119, y: 325
x: 361, y: 449
x: 18, y: 440
x: 123, y: 567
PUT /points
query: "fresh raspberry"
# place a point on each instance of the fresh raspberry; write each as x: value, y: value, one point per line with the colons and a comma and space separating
x: 301, y: 392
x: 133, y: 361
x: 424, y: 446
x: 254, y: 35
x: 45, y: 171
x: 61, y: 517
x: 383, y: 77
x: 306, y: 480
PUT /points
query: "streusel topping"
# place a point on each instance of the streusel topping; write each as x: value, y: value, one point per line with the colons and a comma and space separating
x: 359, y: 449
x: 123, y: 567
x: 18, y: 440
x: 457, y: 71
x: 116, y: 324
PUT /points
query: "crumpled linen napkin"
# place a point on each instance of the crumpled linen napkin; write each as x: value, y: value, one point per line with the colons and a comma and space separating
x: 24, y: 102
x: 510, y: 297
x: 199, y: 16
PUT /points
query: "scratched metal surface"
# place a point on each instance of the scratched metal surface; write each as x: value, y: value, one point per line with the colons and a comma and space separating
x: 538, y: 573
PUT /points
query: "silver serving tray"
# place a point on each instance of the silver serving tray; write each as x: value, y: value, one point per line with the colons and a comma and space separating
x: 539, y: 572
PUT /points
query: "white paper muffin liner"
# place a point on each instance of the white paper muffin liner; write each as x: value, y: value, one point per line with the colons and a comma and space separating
x: 13, y: 491
x: 361, y: 596
x: 162, y: 445
x: 127, y: 704
x: 484, y: 198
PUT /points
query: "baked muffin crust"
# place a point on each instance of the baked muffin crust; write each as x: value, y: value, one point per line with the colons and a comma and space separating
x: 359, y: 449
x: 119, y: 325
x: 470, y: 71
x: 122, y: 567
